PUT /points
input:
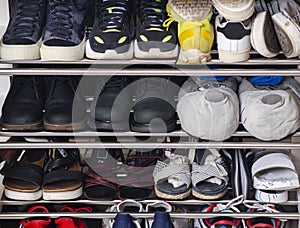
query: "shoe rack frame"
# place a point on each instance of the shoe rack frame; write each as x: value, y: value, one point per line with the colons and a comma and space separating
x: 253, y: 67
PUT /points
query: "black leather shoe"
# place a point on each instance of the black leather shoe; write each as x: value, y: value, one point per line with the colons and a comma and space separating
x: 112, y: 104
x: 65, y: 108
x: 23, y: 106
x: 154, y: 109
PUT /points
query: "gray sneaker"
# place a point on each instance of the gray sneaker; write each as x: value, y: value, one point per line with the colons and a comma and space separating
x: 286, y: 18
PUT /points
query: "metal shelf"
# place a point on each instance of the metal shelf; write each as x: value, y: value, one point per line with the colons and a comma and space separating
x: 146, y: 72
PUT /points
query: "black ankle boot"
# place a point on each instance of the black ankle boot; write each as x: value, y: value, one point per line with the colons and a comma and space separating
x: 65, y: 108
x: 23, y: 106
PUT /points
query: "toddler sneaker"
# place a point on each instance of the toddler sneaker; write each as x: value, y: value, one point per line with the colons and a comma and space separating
x: 44, y: 222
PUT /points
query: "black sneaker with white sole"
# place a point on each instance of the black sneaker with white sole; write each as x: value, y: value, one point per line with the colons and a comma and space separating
x: 112, y: 32
x: 23, y: 36
x: 64, y: 38
x: 153, y: 38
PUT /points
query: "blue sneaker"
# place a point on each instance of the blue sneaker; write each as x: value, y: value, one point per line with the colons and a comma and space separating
x: 23, y: 36
x: 125, y: 220
x: 65, y: 30
x: 162, y: 219
x: 112, y: 32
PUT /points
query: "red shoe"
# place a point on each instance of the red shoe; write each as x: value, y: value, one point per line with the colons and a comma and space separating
x: 36, y: 223
x: 68, y: 222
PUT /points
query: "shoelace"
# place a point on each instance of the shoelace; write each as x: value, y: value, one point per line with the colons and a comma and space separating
x: 112, y: 15
x: 61, y: 22
x: 153, y: 14
x: 27, y: 15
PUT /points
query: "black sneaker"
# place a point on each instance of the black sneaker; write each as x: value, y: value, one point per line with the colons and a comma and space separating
x: 153, y: 39
x: 23, y: 36
x: 112, y: 32
x: 112, y: 104
x: 65, y: 30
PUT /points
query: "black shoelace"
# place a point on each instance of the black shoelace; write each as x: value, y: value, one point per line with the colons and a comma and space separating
x: 26, y: 16
x: 153, y: 13
x: 61, y: 19
x: 112, y: 14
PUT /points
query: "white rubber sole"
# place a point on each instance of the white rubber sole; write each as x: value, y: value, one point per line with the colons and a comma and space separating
x: 23, y: 195
x: 292, y: 31
x: 109, y: 54
x: 21, y: 52
x: 275, y: 197
x: 234, y: 57
x: 193, y: 56
x: 57, y: 53
x: 63, y: 195
x: 257, y: 36
x: 235, y: 14
x: 154, y: 53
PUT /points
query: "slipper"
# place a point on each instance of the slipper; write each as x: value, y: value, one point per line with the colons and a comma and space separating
x: 210, y: 175
x: 138, y: 183
x: 23, y: 181
x: 100, y: 180
x: 274, y: 170
x: 172, y: 177
x: 63, y: 177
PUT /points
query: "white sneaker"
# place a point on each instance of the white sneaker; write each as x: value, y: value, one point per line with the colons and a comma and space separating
x: 233, y: 40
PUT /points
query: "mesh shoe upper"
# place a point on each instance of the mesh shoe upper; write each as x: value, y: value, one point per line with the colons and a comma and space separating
x: 26, y: 22
x: 150, y: 31
x: 112, y: 27
x: 65, y: 24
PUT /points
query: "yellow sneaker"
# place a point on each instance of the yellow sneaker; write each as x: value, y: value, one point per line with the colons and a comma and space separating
x: 195, y: 32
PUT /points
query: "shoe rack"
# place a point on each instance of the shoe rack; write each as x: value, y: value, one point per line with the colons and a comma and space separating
x: 256, y: 66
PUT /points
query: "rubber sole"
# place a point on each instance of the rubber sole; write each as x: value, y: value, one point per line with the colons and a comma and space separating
x: 23, y: 195
x: 208, y: 197
x: 57, y: 53
x: 25, y: 127
x: 21, y: 52
x: 172, y: 197
x: 147, y: 128
x: 235, y: 14
x: 193, y: 56
x: 154, y: 53
x: 234, y: 57
x: 65, y: 127
x: 108, y: 126
x: 109, y: 54
x: 67, y: 195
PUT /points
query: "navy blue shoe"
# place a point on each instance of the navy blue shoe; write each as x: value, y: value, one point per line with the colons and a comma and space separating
x: 23, y: 36
x: 162, y: 219
x: 125, y: 220
x: 65, y: 30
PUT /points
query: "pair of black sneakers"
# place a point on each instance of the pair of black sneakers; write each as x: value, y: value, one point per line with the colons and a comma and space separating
x: 145, y: 104
x: 118, y: 22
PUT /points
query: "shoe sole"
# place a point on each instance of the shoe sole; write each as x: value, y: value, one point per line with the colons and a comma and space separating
x: 257, y: 39
x: 108, y: 126
x: 25, y: 127
x: 15, y: 195
x: 289, y: 32
x: 208, y: 197
x: 193, y: 56
x: 154, y: 53
x: 109, y: 54
x: 172, y: 197
x: 21, y: 52
x: 68, y: 195
x: 65, y: 127
x: 57, y: 53
x: 235, y: 14
x: 234, y: 57
x: 146, y: 128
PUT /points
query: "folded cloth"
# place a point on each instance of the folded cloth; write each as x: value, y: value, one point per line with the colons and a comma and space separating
x: 266, y: 80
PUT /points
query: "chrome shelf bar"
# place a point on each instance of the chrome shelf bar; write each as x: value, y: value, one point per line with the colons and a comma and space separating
x: 146, y: 72
x: 18, y: 215
x: 180, y: 145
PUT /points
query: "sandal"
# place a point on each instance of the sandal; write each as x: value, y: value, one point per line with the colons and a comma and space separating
x: 63, y: 177
x: 172, y: 177
x: 138, y: 184
x: 209, y: 175
x: 100, y: 180
x: 23, y: 181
